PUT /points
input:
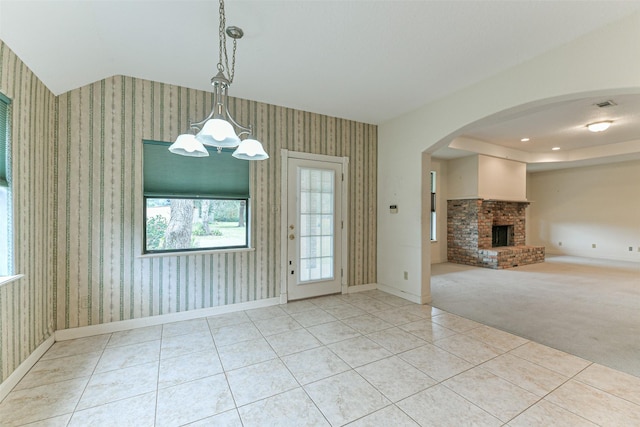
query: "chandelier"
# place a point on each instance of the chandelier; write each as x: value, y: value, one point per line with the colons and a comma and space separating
x: 218, y: 129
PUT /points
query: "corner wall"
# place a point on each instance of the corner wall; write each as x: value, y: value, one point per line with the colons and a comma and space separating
x: 99, y: 275
x: 584, y: 206
x: 558, y: 74
x: 26, y: 304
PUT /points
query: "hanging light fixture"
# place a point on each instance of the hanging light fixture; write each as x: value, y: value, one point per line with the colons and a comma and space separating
x: 599, y: 126
x: 218, y: 129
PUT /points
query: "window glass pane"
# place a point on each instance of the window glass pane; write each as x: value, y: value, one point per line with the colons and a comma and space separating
x: 316, y: 224
x: 314, y: 203
x: 327, y: 203
x: 327, y: 225
x: 327, y: 246
x: 195, y: 224
x: 310, y: 225
x: 304, y: 180
x: 327, y: 182
x: 4, y: 232
x: 327, y: 268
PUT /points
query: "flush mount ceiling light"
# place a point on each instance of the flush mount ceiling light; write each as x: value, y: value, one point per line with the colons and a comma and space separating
x: 599, y: 126
x: 525, y: 140
x: 218, y: 129
x: 555, y: 148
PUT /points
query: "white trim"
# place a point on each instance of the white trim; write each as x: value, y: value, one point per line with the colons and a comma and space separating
x: 345, y: 222
x: 284, y: 209
x: 12, y: 380
x: 362, y: 288
x: 124, y: 325
x: 4, y: 280
x: 315, y: 157
x: 409, y: 297
x: 187, y: 253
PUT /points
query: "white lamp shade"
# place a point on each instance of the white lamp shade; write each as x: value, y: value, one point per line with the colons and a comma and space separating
x: 217, y: 132
x: 250, y: 149
x: 188, y: 145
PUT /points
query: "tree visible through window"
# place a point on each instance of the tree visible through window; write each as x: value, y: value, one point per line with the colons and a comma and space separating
x: 195, y: 224
x: 194, y: 203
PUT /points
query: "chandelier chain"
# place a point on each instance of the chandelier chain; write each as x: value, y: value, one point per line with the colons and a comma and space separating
x: 222, y: 37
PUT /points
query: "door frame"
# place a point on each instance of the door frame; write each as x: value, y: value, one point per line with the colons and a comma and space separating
x: 284, y: 205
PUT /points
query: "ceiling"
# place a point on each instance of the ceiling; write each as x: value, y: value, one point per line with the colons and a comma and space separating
x: 369, y: 61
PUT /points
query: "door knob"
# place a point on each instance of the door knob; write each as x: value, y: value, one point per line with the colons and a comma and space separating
x: 291, y: 237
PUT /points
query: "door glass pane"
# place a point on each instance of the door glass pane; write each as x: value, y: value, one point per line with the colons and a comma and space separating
x: 316, y: 195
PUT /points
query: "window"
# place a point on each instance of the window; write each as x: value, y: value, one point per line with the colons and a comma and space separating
x: 433, y: 206
x: 194, y: 203
x: 5, y: 193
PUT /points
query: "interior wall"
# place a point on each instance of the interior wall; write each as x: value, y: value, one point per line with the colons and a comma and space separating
x: 558, y: 74
x: 501, y: 179
x: 462, y: 178
x: 100, y: 276
x: 26, y: 304
x: 580, y: 207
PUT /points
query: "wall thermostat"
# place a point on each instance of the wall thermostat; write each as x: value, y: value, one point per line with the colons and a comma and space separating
x: 393, y: 209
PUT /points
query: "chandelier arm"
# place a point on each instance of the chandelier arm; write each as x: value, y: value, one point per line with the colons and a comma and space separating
x: 225, y: 101
x: 199, y: 124
x: 243, y: 128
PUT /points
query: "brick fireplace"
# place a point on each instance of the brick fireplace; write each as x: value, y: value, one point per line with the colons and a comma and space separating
x: 489, y: 233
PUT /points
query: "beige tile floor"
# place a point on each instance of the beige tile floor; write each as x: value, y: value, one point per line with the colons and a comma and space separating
x: 366, y: 359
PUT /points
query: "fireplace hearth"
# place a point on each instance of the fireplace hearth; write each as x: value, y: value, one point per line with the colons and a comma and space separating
x: 489, y: 233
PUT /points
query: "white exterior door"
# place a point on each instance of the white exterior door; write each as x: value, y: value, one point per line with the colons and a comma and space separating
x: 314, y: 227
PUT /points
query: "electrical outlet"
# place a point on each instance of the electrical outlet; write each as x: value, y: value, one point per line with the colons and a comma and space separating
x: 559, y: 243
x: 593, y: 245
x: 406, y: 275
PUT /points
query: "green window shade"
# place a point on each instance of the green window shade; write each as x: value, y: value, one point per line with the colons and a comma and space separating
x: 4, y: 138
x: 218, y: 176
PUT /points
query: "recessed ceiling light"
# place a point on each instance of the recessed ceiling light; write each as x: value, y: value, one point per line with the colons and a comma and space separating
x: 599, y: 126
x: 524, y: 140
x: 555, y: 148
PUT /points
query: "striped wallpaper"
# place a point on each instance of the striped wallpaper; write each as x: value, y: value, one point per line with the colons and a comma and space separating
x: 98, y: 275
x: 77, y: 205
x: 26, y: 305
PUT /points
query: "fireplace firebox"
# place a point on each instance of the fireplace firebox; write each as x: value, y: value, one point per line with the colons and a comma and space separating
x: 501, y: 236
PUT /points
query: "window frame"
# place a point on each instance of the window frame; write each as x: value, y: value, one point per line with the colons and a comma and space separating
x: 172, y: 176
x: 247, y: 217
x: 433, y: 232
x: 6, y: 270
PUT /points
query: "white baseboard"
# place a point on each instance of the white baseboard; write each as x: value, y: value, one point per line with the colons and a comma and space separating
x: 362, y: 288
x: 397, y: 292
x: 124, y: 325
x: 12, y: 380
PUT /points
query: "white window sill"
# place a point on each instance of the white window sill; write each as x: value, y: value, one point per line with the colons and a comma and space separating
x: 187, y: 253
x: 4, y: 280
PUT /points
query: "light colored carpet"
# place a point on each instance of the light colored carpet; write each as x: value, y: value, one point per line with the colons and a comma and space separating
x: 586, y: 307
